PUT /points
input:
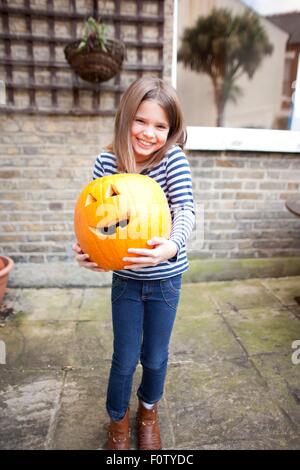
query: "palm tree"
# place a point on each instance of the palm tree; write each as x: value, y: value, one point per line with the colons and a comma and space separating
x: 225, y: 47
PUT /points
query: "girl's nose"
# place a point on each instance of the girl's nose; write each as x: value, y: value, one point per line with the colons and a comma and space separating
x: 148, y: 132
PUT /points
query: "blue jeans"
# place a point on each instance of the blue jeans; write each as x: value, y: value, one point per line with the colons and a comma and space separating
x: 143, y: 313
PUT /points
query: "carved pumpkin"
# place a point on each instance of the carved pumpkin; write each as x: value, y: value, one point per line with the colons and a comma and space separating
x: 117, y: 212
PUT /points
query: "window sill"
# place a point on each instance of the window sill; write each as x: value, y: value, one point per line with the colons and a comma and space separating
x: 239, y: 139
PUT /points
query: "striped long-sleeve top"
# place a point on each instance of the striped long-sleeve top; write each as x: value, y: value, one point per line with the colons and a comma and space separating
x: 174, y: 176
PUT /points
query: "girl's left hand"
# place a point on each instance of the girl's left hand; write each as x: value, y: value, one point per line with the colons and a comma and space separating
x: 164, y: 250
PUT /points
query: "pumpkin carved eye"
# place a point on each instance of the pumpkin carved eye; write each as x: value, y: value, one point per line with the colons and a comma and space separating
x: 90, y: 199
x: 112, y: 191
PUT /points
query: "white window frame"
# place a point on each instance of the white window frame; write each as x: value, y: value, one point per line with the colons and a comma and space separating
x: 239, y: 139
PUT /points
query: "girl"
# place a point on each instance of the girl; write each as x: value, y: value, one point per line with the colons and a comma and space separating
x: 148, y: 136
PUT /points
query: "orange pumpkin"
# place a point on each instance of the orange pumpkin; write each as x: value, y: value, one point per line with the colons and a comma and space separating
x: 117, y: 212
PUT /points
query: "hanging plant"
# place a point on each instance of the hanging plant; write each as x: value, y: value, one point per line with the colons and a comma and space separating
x: 95, y: 57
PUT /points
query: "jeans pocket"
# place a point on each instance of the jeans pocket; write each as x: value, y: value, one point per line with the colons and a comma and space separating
x: 170, y: 289
x: 175, y: 284
x: 118, y: 287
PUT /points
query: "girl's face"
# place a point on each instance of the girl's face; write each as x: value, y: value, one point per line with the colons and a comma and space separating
x: 149, y: 130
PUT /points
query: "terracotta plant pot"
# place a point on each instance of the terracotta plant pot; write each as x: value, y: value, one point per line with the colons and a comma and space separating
x: 6, y: 265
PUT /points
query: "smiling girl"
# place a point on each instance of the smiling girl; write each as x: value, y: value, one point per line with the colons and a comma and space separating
x: 148, y: 137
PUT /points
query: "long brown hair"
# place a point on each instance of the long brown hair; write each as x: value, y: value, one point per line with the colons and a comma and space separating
x: 145, y: 88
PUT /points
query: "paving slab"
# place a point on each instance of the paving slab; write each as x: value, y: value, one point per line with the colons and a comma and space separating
x: 49, y: 304
x: 82, y: 420
x: 283, y: 380
x: 231, y: 383
x: 95, y: 305
x: 264, y: 329
x: 241, y: 295
x: 81, y: 415
x: 221, y: 402
x: 28, y: 403
x: 92, y: 343
x: 205, y: 337
x: 38, y: 344
x: 285, y: 289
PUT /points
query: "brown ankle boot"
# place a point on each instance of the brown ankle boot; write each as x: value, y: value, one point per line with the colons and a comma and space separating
x: 119, y: 434
x: 148, y: 428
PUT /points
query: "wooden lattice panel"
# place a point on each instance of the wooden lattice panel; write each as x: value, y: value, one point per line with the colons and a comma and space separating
x: 37, y: 77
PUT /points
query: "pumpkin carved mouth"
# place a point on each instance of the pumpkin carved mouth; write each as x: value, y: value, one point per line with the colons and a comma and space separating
x: 110, y: 229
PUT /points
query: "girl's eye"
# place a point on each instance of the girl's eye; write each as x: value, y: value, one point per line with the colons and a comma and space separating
x: 139, y: 120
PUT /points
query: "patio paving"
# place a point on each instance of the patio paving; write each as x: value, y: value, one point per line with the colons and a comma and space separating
x: 231, y: 384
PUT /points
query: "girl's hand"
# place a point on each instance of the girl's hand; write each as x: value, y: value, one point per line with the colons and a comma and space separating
x: 84, y: 261
x: 164, y: 250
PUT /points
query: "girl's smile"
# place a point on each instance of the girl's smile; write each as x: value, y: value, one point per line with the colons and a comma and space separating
x: 149, y: 131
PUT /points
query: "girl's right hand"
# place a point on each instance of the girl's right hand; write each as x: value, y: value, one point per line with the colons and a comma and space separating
x: 84, y: 261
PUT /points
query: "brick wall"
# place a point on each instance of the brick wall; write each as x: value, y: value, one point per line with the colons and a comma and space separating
x: 243, y: 196
x: 46, y: 162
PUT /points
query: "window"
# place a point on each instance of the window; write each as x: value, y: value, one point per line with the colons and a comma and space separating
x: 244, y: 94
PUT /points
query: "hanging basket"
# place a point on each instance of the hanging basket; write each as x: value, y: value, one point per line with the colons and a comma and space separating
x: 97, y: 65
